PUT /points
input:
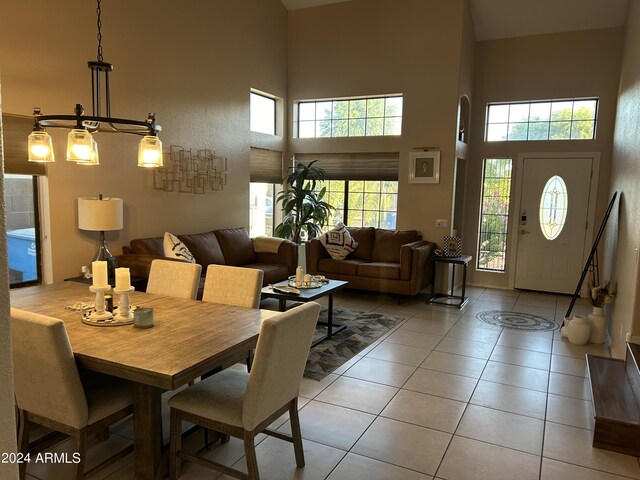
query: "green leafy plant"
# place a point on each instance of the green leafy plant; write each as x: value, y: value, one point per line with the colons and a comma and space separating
x: 303, y: 208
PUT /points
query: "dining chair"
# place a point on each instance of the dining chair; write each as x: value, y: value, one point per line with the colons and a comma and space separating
x: 50, y: 391
x: 174, y: 279
x: 243, y: 404
x: 233, y: 285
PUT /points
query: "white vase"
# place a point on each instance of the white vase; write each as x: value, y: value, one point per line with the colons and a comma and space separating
x: 598, y: 325
x: 578, y: 331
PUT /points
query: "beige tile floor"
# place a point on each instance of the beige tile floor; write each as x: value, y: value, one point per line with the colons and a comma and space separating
x: 443, y: 396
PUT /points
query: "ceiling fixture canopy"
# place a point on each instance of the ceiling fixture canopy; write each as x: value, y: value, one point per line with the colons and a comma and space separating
x: 81, y: 147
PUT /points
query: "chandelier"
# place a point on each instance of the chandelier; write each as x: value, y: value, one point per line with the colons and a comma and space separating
x: 81, y: 147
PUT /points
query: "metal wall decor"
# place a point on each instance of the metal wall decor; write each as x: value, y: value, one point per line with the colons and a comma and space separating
x: 189, y: 172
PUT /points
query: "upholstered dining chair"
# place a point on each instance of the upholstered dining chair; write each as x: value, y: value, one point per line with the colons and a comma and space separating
x: 174, y: 279
x: 233, y: 285
x: 50, y: 391
x: 243, y: 404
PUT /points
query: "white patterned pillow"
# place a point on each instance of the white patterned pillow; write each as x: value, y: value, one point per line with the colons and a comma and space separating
x: 338, y: 242
x: 174, y: 248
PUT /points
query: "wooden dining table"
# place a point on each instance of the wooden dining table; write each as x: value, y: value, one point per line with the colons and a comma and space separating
x: 190, y: 338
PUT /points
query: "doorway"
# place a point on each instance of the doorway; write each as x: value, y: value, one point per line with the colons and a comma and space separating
x: 557, y: 200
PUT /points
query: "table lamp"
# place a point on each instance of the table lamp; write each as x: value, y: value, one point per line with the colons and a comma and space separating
x: 98, y: 214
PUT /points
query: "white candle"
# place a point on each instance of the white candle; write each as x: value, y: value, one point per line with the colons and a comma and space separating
x: 123, y: 279
x: 99, y: 271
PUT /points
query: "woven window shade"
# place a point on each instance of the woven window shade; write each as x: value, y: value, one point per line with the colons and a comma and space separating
x: 355, y: 166
x: 265, y: 165
x: 15, y: 131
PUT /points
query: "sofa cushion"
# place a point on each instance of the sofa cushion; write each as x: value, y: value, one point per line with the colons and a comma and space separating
x: 204, y: 247
x: 236, y: 246
x: 338, y: 242
x: 149, y: 246
x: 272, y: 273
x: 345, y: 267
x: 364, y: 236
x: 387, y: 270
x: 386, y: 247
x: 174, y: 248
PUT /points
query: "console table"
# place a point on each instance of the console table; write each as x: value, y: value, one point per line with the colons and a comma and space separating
x: 443, y: 298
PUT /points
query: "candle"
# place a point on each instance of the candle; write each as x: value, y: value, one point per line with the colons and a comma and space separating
x: 299, y: 276
x: 123, y: 279
x: 99, y: 271
x: 307, y: 280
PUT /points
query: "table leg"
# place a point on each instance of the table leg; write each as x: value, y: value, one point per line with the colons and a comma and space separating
x: 147, y: 431
x: 464, y: 285
x: 282, y: 305
x: 453, y: 279
x: 329, y: 323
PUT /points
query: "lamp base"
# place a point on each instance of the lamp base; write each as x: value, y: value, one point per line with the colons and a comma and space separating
x: 103, y: 254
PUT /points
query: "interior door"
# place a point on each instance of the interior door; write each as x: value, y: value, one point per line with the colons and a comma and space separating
x: 552, y: 225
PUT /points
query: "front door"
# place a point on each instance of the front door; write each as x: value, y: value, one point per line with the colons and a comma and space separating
x: 552, y: 224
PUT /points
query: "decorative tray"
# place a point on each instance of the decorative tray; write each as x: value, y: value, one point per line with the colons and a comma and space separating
x: 105, y: 322
x: 316, y: 282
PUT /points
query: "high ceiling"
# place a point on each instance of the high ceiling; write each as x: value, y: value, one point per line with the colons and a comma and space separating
x: 494, y: 19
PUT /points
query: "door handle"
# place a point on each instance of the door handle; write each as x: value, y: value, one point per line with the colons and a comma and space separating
x: 523, y: 231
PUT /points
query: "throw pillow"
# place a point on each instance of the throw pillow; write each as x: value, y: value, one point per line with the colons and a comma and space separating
x: 338, y: 242
x: 174, y: 248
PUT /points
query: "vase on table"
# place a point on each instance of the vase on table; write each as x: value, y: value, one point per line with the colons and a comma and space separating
x: 598, y: 325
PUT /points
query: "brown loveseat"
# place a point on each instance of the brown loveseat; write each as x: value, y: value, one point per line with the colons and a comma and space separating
x: 222, y: 247
x: 393, y: 261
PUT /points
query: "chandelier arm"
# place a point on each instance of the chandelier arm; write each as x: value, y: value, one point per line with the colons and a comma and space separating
x: 50, y: 121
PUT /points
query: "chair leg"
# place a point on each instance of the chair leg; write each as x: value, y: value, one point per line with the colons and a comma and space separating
x: 175, y: 443
x: 23, y: 440
x: 81, y: 447
x: 250, y: 456
x: 295, y: 433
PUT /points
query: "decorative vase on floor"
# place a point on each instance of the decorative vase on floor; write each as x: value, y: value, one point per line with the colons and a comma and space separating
x: 598, y: 323
x: 578, y: 330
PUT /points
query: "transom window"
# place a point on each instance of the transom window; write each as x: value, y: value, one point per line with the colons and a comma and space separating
x: 548, y: 120
x: 262, y: 113
x: 350, y: 117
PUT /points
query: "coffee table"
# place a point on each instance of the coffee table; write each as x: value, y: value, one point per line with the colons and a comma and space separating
x: 308, y: 295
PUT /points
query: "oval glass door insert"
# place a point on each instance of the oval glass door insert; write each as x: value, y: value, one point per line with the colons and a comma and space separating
x: 553, y: 207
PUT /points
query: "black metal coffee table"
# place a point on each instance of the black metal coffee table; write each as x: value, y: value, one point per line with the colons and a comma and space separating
x: 308, y: 295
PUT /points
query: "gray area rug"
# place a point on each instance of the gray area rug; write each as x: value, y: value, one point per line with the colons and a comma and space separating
x: 362, y: 330
x: 517, y: 320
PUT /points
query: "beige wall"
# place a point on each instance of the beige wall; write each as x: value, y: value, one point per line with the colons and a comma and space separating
x: 563, y: 65
x: 7, y: 409
x: 192, y: 63
x: 625, y: 179
x: 368, y: 48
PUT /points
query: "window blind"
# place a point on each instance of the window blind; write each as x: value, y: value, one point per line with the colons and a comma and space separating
x: 15, y: 131
x: 265, y: 165
x: 355, y: 166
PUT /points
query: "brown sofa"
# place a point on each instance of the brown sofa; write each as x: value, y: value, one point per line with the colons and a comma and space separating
x: 393, y: 261
x: 222, y: 247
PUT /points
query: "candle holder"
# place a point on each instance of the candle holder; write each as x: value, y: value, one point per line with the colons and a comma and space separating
x: 124, y: 305
x: 100, y: 314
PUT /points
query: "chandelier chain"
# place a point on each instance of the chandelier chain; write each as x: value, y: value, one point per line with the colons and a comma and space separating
x: 99, y: 23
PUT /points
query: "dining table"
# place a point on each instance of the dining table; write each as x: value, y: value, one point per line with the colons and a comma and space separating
x: 189, y: 338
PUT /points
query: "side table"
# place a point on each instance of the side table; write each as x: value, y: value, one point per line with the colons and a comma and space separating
x: 443, y: 298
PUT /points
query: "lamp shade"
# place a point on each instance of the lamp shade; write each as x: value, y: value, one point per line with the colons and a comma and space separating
x: 97, y: 214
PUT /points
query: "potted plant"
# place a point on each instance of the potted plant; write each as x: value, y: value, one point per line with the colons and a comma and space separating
x: 303, y: 208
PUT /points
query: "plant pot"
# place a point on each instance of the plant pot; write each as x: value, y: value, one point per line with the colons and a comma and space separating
x: 598, y: 325
x: 578, y: 331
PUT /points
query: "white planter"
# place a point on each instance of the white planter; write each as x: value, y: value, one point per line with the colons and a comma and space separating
x: 578, y: 331
x: 598, y: 325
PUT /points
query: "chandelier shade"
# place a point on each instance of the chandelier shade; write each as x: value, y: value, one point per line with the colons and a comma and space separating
x: 40, y: 147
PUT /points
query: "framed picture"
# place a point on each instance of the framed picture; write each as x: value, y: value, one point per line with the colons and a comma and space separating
x: 424, y: 167
x: 451, y: 246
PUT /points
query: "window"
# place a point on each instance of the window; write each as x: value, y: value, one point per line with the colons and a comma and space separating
x: 549, y: 120
x: 554, y: 203
x: 263, y: 113
x: 362, y: 203
x: 494, y: 214
x: 23, y: 242
x: 261, y: 209
x: 350, y: 117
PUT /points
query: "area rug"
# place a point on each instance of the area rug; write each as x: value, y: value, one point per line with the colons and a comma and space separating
x: 362, y: 330
x: 517, y: 320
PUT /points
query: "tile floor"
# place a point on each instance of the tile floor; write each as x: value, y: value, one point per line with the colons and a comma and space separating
x: 443, y: 396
